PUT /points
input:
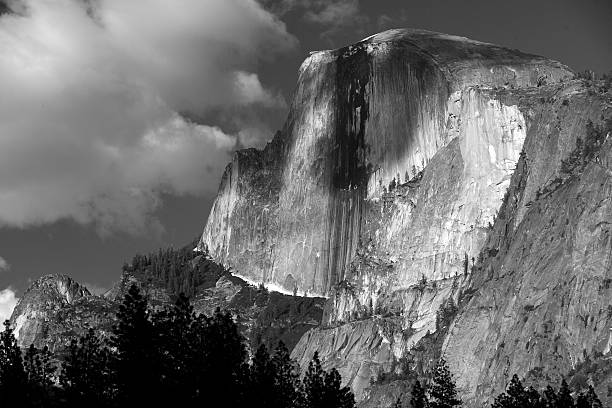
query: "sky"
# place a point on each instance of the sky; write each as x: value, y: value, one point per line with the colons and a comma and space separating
x: 118, y: 117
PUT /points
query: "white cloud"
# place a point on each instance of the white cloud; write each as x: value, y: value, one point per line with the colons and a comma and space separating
x: 4, y: 265
x: 88, y: 122
x: 7, y: 304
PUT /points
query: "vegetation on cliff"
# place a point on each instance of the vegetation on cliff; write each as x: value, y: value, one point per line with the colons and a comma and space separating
x: 170, y: 356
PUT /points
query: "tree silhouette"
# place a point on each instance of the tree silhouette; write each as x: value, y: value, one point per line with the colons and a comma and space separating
x: 39, y: 371
x: 224, y: 370
x: 442, y: 390
x: 588, y: 399
x: 134, y: 362
x: 262, y: 380
x: 287, y: 384
x: 12, y: 374
x: 323, y: 389
x: 174, y: 342
x: 418, y: 398
x: 85, y: 374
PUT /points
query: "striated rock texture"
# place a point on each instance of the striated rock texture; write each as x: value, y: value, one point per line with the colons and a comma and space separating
x: 540, y: 303
x: 393, y: 190
x: 365, y: 117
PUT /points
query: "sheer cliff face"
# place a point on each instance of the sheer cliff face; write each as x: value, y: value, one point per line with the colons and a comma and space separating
x: 383, y: 191
x: 363, y: 118
x: 542, y: 307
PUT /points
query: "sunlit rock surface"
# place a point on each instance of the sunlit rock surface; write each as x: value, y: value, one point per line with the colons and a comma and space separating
x: 540, y: 301
x: 363, y: 116
x: 382, y: 188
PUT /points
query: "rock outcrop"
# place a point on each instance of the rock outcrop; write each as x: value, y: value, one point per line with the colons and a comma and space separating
x: 422, y: 184
x: 54, y: 309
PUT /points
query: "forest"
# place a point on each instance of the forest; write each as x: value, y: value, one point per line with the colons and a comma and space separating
x: 174, y: 356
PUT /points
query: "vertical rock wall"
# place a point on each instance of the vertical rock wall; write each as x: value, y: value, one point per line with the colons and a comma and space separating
x: 382, y: 188
x: 363, y: 117
x: 540, y: 302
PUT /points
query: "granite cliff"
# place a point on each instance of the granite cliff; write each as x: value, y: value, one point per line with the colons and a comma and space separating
x: 423, y: 184
x: 440, y: 196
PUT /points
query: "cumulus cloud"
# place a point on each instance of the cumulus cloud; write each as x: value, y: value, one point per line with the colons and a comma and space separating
x: 89, y: 128
x: 4, y: 265
x: 7, y: 304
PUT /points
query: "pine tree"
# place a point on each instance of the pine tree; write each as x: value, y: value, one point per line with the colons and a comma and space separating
x: 324, y: 389
x: 418, y: 398
x: 135, y: 370
x: 175, y: 342
x: 442, y: 390
x: 517, y: 396
x: 224, y: 370
x: 39, y: 373
x: 550, y: 397
x: 564, y: 397
x: 314, y: 383
x: 12, y: 374
x: 593, y: 399
x: 287, y: 384
x: 262, y: 379
x: 336, y: 396
x: 85, y: 374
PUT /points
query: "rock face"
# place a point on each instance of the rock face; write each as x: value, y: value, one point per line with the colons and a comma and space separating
x: 364, y: 117
x: 422, y: 184
x: 543, y: 300
x: 54, y: 309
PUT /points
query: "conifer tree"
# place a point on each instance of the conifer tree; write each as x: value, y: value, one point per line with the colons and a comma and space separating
x: 323, y: 389
x: 564, y: 397
x: 134, y: 368
x: 224, y: 369
x: 593, y: 399
x: 39, y: 372
x: 85, y: 374
x: 262, y: 380
x: 334, y: 395
x: 177, y: 351
x: 550, y: 397
x: 314, y: 383
x: 418, y: 398
x: 12, y: 374
x: 442, y: 390
x: 287, y: 384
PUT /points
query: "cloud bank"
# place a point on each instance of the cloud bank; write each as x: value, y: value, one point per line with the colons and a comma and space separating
x: 7, y: 304
x: 89, y: 128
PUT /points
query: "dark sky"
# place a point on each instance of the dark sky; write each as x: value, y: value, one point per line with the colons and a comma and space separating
x: 77, y: 243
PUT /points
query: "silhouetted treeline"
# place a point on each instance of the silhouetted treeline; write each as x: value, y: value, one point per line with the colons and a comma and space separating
x: 166, y: 358
x: 441, y: 392
x: 178, y: 270
x: 517, y: 395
